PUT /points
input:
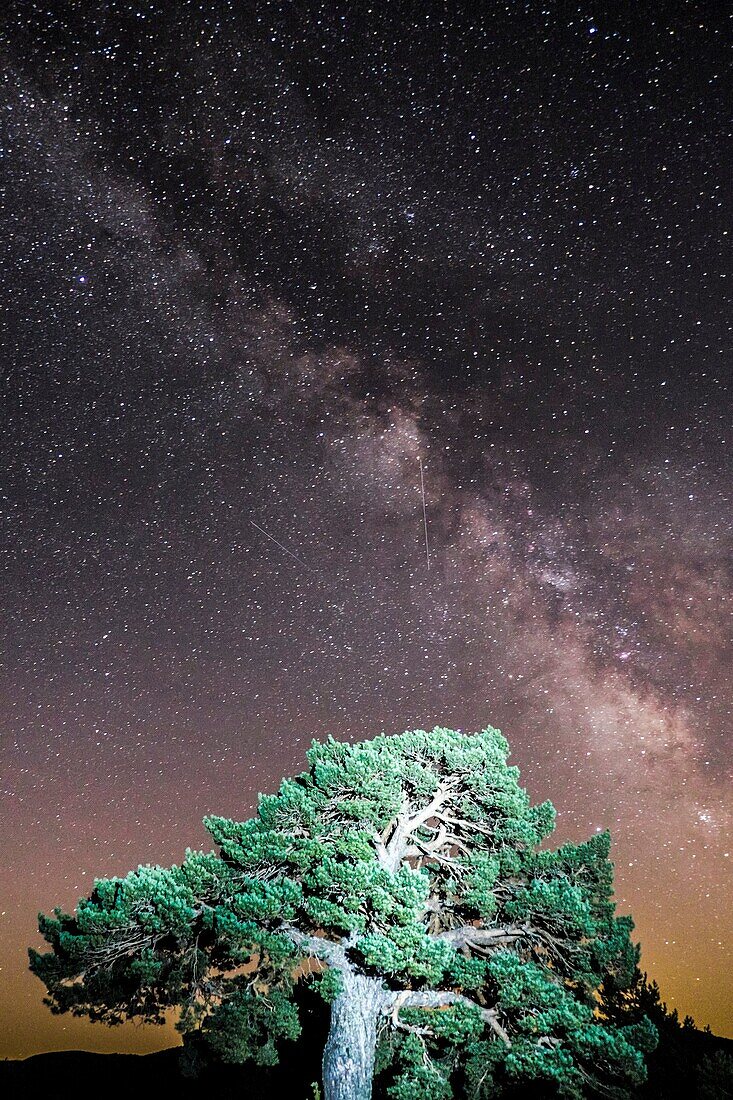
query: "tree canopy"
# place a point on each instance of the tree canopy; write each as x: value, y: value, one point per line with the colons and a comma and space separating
x: 405, y: 877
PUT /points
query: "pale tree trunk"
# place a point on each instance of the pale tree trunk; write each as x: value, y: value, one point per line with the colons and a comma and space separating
x: 348, y: 1057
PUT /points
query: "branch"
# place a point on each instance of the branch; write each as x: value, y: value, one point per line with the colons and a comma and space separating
x: 439, y: 999
x: 105, y: 955
x: 442, y: 840
x: 475, y: 939
x: 466, y: 826
x: 439, y: 798
x: 398, y: 1023
x: 318, y: 946
x: 392, y: 852
x: 471, y: 936
x: 425, y: 855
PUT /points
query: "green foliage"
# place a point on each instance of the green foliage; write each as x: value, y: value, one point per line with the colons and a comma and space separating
x: 249, y: 1025
x: 329, y: 984
x: 477, y: 896
x: 484, y: 1070
x: 679, y: 1056
x: 414, y: 1076
x: 391, y: 858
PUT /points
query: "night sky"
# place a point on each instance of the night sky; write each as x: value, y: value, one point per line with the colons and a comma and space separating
x: 259, y: 261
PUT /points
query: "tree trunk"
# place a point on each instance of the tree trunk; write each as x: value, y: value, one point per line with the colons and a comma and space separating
x: 348, y: 1057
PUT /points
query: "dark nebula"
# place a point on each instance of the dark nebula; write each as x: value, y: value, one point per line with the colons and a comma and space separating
x: 259, y: 262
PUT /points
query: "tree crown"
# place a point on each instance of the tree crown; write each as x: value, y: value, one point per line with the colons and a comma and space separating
x: 413, y: 860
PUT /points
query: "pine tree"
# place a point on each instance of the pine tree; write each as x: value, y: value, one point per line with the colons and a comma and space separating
x: 715, y: 1076
x: 404, y: 877
x: 629, y: 1001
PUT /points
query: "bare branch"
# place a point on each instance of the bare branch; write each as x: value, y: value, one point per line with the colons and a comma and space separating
x: 401, y: 830
x: 436, y: 999
x: 483, y: 940
x: 472, y: 936
x: 318, y: 946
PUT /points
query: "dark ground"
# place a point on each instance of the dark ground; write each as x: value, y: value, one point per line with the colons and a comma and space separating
x: 698, y: 1066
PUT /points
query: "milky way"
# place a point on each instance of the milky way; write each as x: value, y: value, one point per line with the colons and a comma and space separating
x: 257, y: 267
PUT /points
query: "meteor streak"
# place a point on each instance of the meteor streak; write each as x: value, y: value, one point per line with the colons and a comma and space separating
x: 424, y: 514
x: 288, y: 552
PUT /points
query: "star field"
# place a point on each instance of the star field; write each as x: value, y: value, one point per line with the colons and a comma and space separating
x: 259, y: 262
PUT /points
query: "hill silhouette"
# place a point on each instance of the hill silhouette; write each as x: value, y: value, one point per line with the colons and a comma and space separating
x: 688, y: 1063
